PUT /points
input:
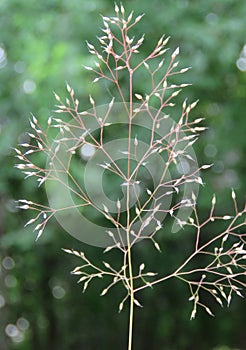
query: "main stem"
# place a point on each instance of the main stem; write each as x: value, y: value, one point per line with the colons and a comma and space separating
x: 129, y: 252
x: 131, y: 310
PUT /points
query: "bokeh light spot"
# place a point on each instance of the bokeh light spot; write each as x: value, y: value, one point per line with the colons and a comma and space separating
x: 58, y: 292
x: 210, y: 150
x: 29, y: 86
x: 87, y: 151
x: 23, y: 324
x: 8, y: 263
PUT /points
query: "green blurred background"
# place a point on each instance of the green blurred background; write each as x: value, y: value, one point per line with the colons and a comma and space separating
x: 42, y: 45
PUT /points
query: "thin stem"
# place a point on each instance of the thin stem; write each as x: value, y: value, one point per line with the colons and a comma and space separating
x: 129, y: 252
x: 131, y: 311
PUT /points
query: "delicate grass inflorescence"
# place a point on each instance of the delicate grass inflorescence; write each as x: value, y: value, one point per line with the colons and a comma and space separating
x: 152, y: 169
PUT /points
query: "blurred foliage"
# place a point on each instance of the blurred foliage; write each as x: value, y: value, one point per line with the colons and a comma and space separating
x: 42, y: 45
